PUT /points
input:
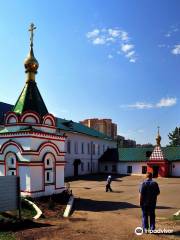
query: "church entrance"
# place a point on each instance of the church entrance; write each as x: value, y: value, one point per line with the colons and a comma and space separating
x: 76, y: 164
x: 155, y: 171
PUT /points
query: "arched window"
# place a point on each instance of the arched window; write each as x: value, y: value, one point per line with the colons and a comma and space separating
x: 49, y: 168
x: 11, y: 163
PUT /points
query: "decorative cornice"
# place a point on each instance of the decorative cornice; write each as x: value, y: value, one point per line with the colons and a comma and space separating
x: 32, y: 134
x: 32, y: 152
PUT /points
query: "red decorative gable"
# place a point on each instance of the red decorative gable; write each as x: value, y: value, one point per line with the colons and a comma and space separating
x: 157, y: 154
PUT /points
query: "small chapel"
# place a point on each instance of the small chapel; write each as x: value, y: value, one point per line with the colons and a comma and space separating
x: 30, y: 145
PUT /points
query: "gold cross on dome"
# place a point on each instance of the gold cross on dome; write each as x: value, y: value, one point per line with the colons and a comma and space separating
x: 31, y: 29
x: 158, y: 129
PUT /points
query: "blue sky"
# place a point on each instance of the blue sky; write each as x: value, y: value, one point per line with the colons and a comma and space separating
x: 106, y: 59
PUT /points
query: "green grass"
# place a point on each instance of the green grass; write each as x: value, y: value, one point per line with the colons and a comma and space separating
x: 6, y: 236
x: 27, y: 210
x: 10, y: 220
x: 176, y: 218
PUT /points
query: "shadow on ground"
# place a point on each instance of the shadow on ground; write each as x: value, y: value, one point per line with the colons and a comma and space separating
x: 20, y: 225
x: 164, y: 207
x: 95, y: 177
x: 83, y: 204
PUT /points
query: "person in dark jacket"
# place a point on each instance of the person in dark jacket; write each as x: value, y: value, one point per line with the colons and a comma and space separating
x: 108, y: 184
x: 149, y: 190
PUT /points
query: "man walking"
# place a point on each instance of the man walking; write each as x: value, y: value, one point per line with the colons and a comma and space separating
x: 108, y: 184
x: 149, y: 190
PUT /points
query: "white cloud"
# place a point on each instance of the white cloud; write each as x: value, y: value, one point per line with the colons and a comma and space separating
x: 114, y: 32
x: 93, y: 33
x: 132, y: 60
x: 130, y: 54
x: 113, y: 37
x: 172, y: 31
x: 166, y: 102
x: 124, y: 36
x: 176, y: 49
x: 140, y: 105
x: 99, y: 40
x: 110, y: 39
x: 127, y: 47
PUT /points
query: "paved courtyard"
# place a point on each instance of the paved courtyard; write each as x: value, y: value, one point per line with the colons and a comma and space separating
x: 115, y: 215
x: 112, y: 216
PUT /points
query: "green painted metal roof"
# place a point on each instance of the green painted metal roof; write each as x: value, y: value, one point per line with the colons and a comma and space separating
x: 25, y: 129
x: 139, y: 154
x: 30, y: 99
x: 71, y: 126
x: 133, y: 154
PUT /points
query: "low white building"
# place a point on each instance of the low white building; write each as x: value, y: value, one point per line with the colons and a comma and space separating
x: 161, y: 161
x: 84, y: 146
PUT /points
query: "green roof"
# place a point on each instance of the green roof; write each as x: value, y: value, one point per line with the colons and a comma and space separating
x: 24, y: 129
x: 133, y: 154
x: 139, y: 153
x: 30, y: 99
x: 69, y: 125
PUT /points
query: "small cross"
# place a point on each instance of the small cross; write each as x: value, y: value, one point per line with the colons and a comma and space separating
x: 31, y: 29
x: 158, y: 129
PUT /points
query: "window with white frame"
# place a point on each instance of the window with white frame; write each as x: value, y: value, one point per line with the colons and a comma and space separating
x: 69, y: 147
x: 49, y: 167
x: 76, y: 147
x: 11, y: 163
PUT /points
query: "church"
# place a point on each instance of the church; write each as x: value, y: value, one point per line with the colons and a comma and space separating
x: 30, y: 145
x: 41, y: 148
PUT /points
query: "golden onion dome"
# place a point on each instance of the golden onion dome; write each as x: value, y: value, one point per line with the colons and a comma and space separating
x: 31, y: 64
x: 158, y: 139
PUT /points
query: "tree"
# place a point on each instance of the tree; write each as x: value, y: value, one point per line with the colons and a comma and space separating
x: 174, y: 137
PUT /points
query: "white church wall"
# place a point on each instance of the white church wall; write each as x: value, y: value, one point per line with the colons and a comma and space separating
x: 59, y: 176
x: 176, y: 169
x: 24, y: 173
x: 2, y: 170
x: 49, y: 190
x: 13, y: 149
x: 28, y: 143
x: 136, y: 167
x: 121, y: 167
x: 37, y: 178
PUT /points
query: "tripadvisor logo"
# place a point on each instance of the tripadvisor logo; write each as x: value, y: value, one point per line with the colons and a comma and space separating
x: 138, y: 231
